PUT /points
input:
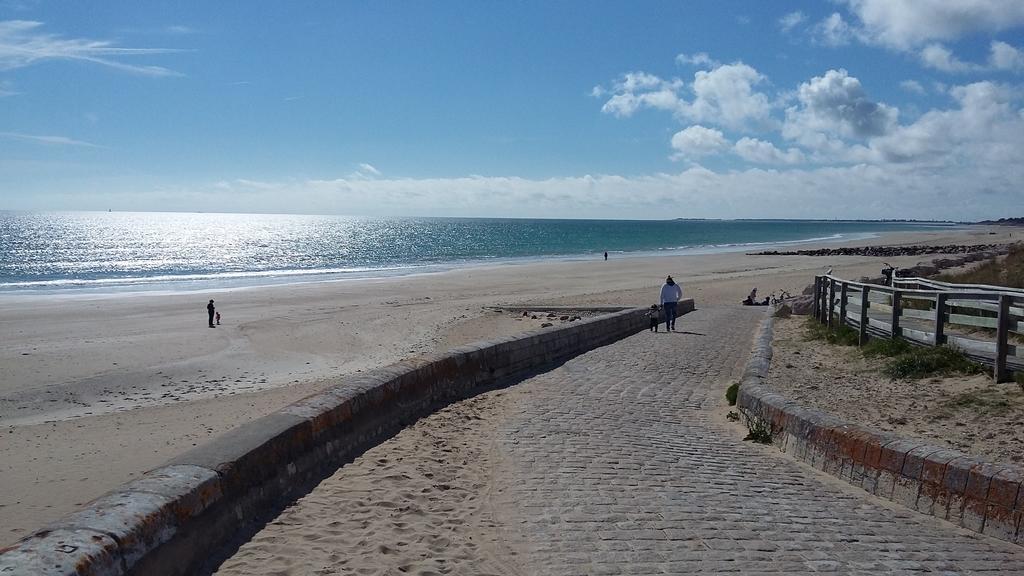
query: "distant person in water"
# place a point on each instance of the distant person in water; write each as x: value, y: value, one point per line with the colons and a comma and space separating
x: 605, y: 255
x: 211, y: 310
x: 671, y: 293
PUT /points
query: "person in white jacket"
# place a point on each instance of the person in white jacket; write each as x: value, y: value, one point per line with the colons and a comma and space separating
x: 671, y: 293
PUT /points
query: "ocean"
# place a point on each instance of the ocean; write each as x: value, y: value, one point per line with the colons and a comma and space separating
x: 119, y: 251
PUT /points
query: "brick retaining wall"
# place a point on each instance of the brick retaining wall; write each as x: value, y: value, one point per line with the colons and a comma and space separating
x: 981, y: 496
x: 173, y: 519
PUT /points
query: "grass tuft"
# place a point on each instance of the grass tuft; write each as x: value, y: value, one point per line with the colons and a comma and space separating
x: 758, y: 430
x: 842, y: 335
x: 885, y: 347
x: 922, y: 362
x: 1007, y: 271
x: 731, y: 392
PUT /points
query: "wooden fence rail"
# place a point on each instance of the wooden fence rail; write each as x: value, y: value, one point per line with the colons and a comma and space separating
x: 984, y: 322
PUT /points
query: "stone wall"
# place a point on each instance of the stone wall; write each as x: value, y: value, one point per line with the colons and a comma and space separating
x: 982, y: 496
x: 177, y: 518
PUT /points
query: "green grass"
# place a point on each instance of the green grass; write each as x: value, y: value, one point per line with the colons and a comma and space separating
x: 731, y: 392
x: 885, y: 347
x: 842, y: 335
x: 936, y: 361
x: 758, y: 430
x: 907, y: 361
x: 1008, y: 271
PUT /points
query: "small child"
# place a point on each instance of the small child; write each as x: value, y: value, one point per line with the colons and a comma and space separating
x: 218, y: 318
x: 654, y: 316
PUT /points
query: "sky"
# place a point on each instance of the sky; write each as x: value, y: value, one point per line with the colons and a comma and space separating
x: 571, y: 109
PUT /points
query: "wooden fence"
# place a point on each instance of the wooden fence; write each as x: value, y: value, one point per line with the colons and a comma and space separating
x: 984, y: 322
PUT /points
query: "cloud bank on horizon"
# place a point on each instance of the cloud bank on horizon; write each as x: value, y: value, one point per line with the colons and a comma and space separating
x: 914, y: 111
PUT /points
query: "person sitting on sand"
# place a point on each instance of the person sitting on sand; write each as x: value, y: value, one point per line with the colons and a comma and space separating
x: 211, y: 310
x: 671, y: 293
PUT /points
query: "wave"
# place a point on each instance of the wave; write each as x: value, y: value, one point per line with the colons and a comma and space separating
x: 241, y: 275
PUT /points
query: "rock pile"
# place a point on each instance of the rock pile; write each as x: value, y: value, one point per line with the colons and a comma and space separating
x: 890, y: 250
x: 804, y: 304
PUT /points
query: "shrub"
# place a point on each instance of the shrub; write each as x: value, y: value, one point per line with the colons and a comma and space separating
x: 758, y: 430
x: 1008, y: 271
x: 731, y: 392
x: 886, y: 347
x: 842, y: 335
x: 922, y: 362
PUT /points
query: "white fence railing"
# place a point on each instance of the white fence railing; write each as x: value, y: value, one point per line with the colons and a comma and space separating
x: 984, y: 322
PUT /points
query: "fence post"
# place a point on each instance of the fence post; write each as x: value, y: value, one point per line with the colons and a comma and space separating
x: 831, y: 299
x: 817, y: 296
x: 895, y: 320
x: 862, y: 339
x: 1002, y: 331
x: 842, y: 304
x: 824, y: 300
x: 940, y: 318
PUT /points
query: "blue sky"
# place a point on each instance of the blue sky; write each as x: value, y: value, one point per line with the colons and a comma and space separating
x: 851, y: 108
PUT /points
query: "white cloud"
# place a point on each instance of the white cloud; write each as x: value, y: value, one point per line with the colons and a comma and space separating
x: 1002, y: 57
x: 697, y: 141
x: 368, y: 169
x: 859, y: 191
x: 835, y: 105
x: 941, y: 58
x: 726, y: 96
x: 912, y: 86
x: 55, y: 140
x: 179, y: 29
x: 904, y: 24
x: 22, y: 44
x: 700, y: 59
x: 833, y: 31
x: 985, y: 133
x: 636, y: 90
x: 1006, y: 57
x: 791, y: 20
x: 762, y: 152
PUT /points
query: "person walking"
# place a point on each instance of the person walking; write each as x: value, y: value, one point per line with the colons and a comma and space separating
x: 671, y: 293
x: 211, y: 310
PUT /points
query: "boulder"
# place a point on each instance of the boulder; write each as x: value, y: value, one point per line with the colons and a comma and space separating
x: 801, y: 305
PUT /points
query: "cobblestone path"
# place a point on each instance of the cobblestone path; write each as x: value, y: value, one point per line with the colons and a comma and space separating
x: 618, y: 462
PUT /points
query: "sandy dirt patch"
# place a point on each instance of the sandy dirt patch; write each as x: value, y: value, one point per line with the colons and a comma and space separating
x: 971, y: 414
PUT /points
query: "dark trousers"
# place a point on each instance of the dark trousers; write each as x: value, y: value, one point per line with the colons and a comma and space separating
x: 211, y: 317
x: 670, y: 315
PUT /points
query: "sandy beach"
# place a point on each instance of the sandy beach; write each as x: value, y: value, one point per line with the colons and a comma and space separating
x: 95, y: 390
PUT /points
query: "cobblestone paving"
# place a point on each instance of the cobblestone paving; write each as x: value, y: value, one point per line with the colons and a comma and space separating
x: 618, y: 465
x: 617, y: 462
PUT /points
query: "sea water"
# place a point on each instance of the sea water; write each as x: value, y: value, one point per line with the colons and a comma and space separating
x: 116, y: 251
